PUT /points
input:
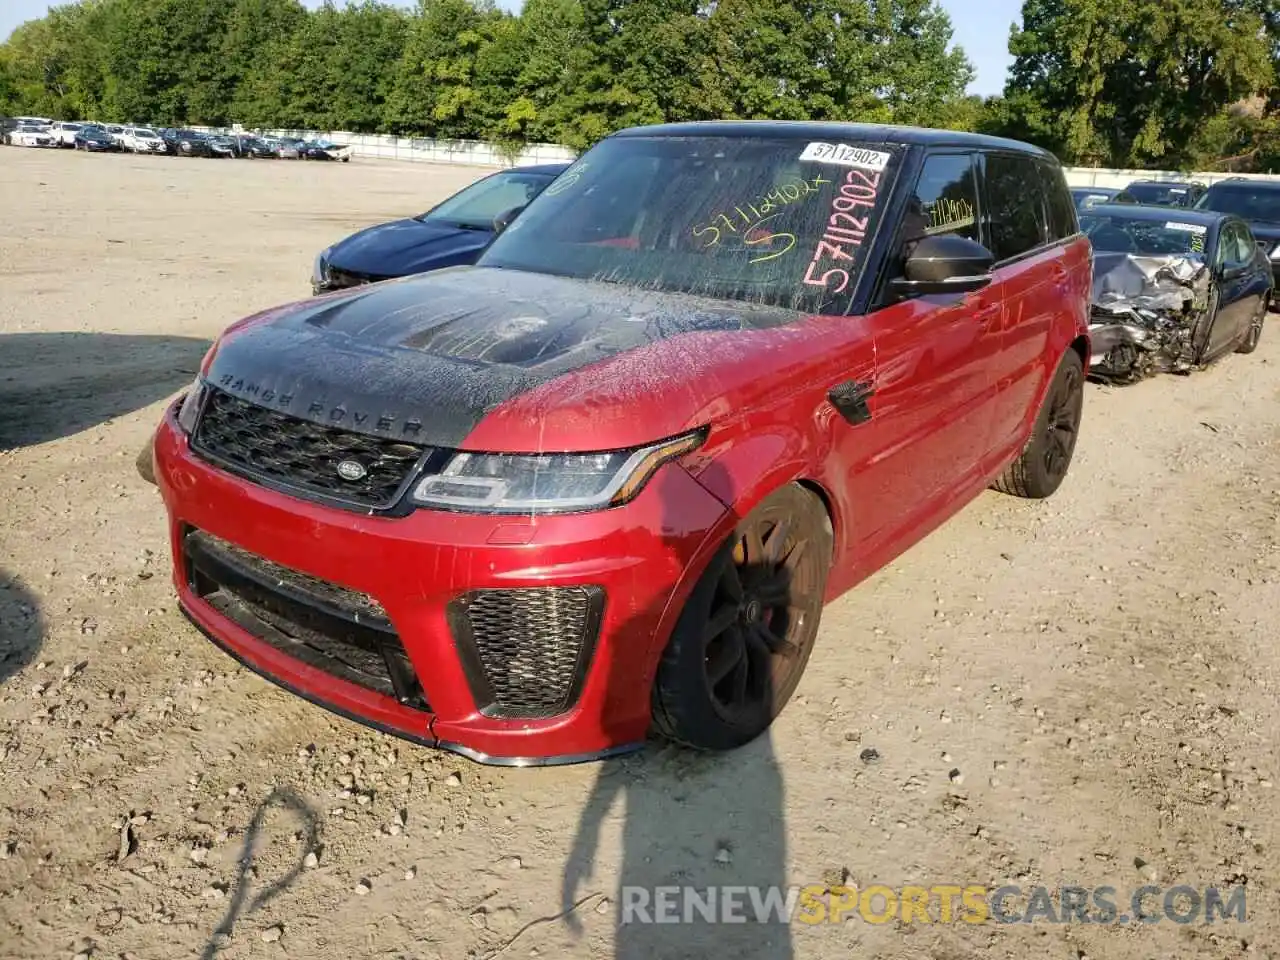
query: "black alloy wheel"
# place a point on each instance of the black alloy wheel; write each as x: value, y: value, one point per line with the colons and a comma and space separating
x: 1044, y: 461
x: 1063, y: 424
x: 745, y: 635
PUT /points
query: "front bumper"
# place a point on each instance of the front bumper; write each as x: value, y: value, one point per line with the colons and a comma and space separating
x: 639, y: 561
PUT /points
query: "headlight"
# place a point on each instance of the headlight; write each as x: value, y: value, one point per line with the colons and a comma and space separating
x: 548, y: 483
x: 190, y: 408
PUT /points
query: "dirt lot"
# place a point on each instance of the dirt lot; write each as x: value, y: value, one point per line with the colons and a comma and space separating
x: 1077, y: 692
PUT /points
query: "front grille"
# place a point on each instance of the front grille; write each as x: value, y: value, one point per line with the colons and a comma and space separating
x: 281, y: 450
x: 342, y: 632
x: 526, y: 651
x: 335, y: 278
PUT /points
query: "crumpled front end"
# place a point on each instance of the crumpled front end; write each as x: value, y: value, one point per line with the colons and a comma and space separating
x: 1148, y: 315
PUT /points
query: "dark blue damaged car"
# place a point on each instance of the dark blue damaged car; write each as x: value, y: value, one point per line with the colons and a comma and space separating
x: 454, y: 232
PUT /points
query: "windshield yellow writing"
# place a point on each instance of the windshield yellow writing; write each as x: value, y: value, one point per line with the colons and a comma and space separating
x: 745, y: 216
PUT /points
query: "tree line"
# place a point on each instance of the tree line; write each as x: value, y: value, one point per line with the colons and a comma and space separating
x: 1162, y: 83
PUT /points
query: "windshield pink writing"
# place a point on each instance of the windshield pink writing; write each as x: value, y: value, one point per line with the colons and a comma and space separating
x: 846, y: 229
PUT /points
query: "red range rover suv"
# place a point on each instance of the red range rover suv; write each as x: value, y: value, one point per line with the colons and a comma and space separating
x: 604, y: 481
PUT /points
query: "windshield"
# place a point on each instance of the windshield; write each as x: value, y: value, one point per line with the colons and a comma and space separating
x: 477, y: 205
x: 1249, y: 202
x: 143, y: 132
x: 1144, y: 237
x: 770, y: 221
x: 1159, y: 194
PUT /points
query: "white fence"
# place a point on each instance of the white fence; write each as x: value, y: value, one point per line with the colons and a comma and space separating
x: 1102, y: 177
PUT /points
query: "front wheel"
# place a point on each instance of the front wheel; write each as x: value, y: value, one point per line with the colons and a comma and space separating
x: 1254, y: 333
x: 744, y: 637
x: 1042, y: 465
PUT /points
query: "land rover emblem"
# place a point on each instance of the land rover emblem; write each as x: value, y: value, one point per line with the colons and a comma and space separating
x: 352, y: 470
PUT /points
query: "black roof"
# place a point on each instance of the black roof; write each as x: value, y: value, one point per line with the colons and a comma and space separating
x: 820, y: 129
x: 1250, y: 182
x: 1101, y: 191
x: 550, y: 169
x: 1138, y: 211
x: 1166, y: 183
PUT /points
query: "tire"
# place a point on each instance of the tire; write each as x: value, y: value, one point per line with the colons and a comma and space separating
x: 1250, y: 341
x: 755, y: 610
x: 1044, y: 461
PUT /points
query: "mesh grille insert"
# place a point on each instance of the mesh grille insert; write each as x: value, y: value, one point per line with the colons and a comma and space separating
x: 526, y: 651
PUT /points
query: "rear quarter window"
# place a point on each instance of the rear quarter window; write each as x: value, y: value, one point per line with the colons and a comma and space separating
x: 1062, y: 211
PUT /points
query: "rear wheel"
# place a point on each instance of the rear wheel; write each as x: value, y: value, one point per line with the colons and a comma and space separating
x: 1254, y: 334
x: 745, y: 634
x: 1043, y: 463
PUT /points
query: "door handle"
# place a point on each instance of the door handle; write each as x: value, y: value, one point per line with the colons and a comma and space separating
x: 850, y: 400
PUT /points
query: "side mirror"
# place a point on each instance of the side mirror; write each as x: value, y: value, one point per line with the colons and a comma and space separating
x: 503, y: 220
x: 946, y: 263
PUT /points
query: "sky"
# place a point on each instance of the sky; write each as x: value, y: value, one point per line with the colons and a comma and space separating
x: 983, y: 32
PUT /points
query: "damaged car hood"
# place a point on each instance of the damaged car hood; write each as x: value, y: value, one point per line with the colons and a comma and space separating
x: 426, y: 358
x: 1124, y: 281
x: 1147, y: 313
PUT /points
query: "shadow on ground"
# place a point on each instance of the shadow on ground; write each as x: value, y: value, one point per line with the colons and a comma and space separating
x: 703, y: 869
x: 21, y: 626
x: 53, y: 385
x: 303, y: 822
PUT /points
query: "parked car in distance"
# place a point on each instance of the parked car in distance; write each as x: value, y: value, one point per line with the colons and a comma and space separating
x: 1086, y: 197
x: 32, y: 135
x: 95, y: 140
x: 605, y: 479
x: 1162, y: 193
x: 65, y: 132
x: 453, y: 232
x: 190, y: 143
x: 325, y: 150
x: 116, y: 132
x: 1257, y: 202
x: 253, y: 147
x: 143, y: 140
x: 221, y: 145
x: 287, y: 148
x: 1172, y: 292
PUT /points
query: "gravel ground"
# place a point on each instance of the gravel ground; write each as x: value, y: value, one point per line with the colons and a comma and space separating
x: 1076, y: 692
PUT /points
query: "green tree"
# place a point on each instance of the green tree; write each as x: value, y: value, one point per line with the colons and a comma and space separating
x: 1129, y: 82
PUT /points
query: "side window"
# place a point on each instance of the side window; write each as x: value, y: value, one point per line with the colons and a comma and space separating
x: 1242, y: 250
x: 945, y: 199
x: 1062, y: 211
x: 1016, y: 207
x: 1229, y: 244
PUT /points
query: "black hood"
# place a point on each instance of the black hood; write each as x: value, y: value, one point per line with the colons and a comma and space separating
x: 402, y: 247
x: 427, y: 357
